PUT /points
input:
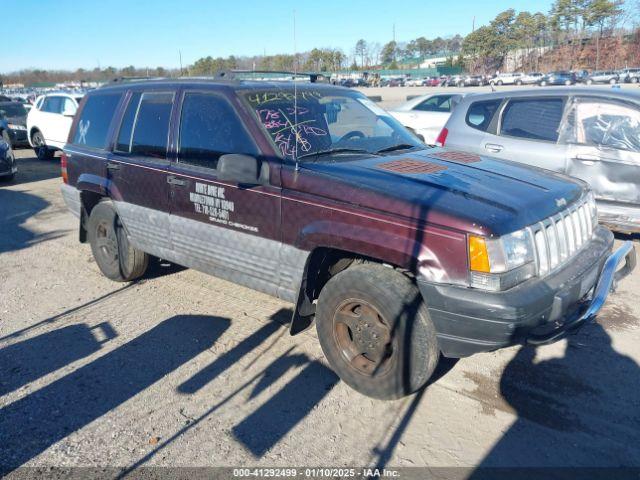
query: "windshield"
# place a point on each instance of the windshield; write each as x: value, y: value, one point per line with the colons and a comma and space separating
x: 324, y: 121
x: 12, y: 110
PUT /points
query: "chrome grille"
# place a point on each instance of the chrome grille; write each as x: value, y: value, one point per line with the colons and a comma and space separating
x: 559, y: 238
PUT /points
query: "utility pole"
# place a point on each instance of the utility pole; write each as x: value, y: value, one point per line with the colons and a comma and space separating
x: 180, y: 56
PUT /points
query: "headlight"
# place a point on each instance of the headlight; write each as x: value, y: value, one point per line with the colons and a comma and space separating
x: 501, y: 263
x: 16, y: 127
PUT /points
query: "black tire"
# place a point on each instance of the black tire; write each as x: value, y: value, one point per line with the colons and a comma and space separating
x: 389, y: 325
x: 499, y: 83
x: 634, y: 79
x: 115, y: 256
x: 40, y: 146
x: 613, y: 81
x: 519, y: 83
x: 589, y: 82
x: 6, y: 138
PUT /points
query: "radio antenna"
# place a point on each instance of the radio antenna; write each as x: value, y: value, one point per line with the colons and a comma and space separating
x: 295, y: 94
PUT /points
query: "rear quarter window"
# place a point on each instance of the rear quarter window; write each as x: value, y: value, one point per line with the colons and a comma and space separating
x: 94, y: 121
x: 480, y: 114
x: 533, y: 119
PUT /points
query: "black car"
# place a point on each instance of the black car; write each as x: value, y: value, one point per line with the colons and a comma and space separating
x: 558, y: 78
x: 8, y: 166
x: 13, y: 123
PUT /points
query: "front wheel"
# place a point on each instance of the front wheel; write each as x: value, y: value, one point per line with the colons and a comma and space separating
x: 116, y: 258
x: 40, y: 146
x: 613, y: 81
x: 376, y: 332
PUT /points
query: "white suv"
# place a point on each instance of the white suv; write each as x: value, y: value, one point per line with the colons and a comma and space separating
x: 49, y: 121
x: 506, y: 79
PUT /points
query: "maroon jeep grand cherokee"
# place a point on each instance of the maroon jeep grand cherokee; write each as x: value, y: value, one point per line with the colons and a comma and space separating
x: 313, y: 194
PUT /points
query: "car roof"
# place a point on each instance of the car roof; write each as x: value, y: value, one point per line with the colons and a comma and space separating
x: 618, y: 93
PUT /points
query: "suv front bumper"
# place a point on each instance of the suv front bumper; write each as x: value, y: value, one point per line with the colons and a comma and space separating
x: 538, y: 311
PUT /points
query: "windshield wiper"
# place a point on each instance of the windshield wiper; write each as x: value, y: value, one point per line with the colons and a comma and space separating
x: 332, y: 151
x: 400, y: 146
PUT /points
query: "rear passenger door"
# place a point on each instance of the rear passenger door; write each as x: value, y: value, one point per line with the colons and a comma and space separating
x: 229, y: 230
x: 137, y: 170
x: 528, y: 131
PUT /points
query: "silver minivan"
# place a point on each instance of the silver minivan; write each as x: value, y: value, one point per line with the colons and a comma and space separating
x: 589, y: 133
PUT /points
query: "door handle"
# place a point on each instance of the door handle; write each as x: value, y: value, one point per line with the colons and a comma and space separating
x: 587, y: 158
x: 172, y: 180
x: 113, y: 166
x: 493, y: 147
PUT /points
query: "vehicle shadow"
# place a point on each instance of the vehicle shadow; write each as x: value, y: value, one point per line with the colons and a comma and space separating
x: 15, y: 209
x: 581, y: 410
x: 383, y: 452
x: 66, y: 313
x: 267, y: 425
x: 30, y: 169
x: 34, y: 423
x: 24, y: 362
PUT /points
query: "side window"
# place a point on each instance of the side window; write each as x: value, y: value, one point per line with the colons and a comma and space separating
x: 209, y: 128
x: 480, y: 114
x: 441, y: 103
x: 52, y: 105
x: 145, y: 127
x: 123, y: 143
x: 95, y: 119
x: 68, y: 106
x: 602, y: 123
x: 533, y: 119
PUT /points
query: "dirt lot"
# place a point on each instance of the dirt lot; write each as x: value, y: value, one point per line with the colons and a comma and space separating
x: 182, y: 369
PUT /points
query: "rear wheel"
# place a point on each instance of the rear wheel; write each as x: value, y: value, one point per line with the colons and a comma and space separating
x: 40, y: 146
x: 115, y: 256
x: 376, y: 332
x: 613, y: 81
x: 589, y: 82
x: 634, y: 79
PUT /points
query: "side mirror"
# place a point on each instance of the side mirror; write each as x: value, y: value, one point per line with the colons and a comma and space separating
x: 238, y: 168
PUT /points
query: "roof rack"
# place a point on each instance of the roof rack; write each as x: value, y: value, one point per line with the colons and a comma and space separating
x: 132, y: 79
x: 226, y: 75
x: 236, y: 74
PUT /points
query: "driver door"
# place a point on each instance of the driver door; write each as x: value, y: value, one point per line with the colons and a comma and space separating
x: 223, y: 228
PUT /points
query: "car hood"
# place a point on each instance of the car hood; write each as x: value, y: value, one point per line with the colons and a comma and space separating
x: 18, y: 120
x: 439, y: 186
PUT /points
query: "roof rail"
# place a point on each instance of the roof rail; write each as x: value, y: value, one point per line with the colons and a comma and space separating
x: 235, y: 74
x: 132, y: 79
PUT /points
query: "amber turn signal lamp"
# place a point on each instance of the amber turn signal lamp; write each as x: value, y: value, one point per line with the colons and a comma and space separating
x: 478, y: 255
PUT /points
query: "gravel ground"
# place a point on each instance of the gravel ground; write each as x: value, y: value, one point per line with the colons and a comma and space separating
x: 183, y: 369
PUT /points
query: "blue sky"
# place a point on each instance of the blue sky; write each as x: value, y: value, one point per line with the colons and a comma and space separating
x: 67, y: 34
